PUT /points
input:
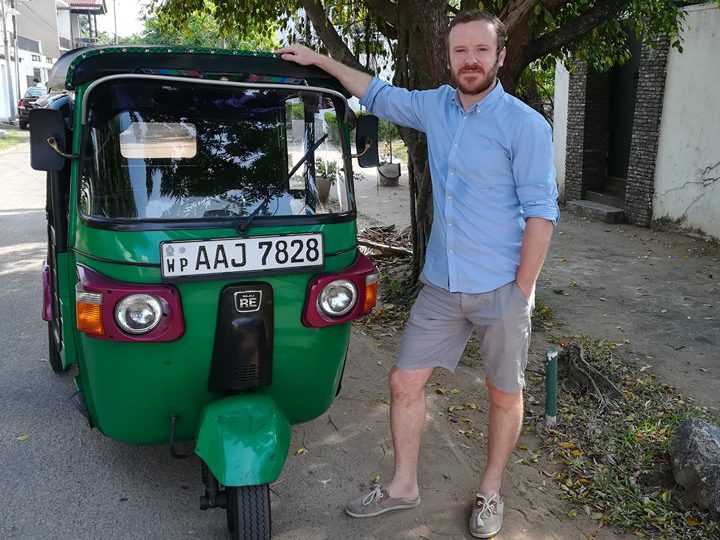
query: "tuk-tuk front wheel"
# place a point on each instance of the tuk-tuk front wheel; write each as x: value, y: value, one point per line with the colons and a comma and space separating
x: 248, y: 512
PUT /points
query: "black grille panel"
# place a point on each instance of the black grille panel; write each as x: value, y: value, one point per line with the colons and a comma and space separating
x: 243, y: 351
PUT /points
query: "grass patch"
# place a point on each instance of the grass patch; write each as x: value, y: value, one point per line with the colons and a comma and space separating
x: 613, y: 457
x: 12, y: 138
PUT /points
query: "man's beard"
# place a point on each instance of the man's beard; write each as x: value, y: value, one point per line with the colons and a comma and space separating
x: 478, y: 87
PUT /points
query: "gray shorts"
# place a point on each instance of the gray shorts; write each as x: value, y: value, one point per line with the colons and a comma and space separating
x: 441, y: 322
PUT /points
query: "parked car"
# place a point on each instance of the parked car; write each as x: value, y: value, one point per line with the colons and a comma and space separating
x: 27, y: 103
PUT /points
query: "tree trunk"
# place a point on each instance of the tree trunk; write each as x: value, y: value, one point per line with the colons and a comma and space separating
x: 421, y: 64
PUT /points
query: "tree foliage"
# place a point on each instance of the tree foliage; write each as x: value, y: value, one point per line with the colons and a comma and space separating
x: 408, y: 37
x: 202, y: 28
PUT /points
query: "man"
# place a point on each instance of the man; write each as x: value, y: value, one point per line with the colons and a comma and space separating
x: 495, y: 203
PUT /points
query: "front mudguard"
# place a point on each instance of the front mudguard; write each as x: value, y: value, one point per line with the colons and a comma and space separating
x: 244, y: 440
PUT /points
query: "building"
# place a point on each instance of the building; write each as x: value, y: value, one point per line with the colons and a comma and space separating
x: 45, y: 29
x: 642, y: 138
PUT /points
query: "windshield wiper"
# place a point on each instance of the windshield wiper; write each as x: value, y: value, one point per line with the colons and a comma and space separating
x: 244, y: 225
x: 310, y: 151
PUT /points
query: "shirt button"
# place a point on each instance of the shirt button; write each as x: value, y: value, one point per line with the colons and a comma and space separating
x: 449, y: 195
x: 451, y: 173
x: 449, y: 223
x: 465, y: 117
x: 455, y: 145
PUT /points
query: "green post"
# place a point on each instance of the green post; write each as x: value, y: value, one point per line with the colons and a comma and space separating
x: 551, y: 387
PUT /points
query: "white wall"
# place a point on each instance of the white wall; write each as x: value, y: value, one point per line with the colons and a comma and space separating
x: 687, y: 173
x: 560, y: 114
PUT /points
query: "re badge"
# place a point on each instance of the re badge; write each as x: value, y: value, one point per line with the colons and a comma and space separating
x: 248, y: 301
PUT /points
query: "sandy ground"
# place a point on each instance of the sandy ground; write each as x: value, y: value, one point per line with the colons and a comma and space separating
x: 653, y: 293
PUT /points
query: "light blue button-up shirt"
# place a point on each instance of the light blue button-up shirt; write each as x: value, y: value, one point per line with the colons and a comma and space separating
x: 491, y: 168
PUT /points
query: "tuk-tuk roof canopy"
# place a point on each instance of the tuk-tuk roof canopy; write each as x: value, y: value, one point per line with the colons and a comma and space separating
x: 90, y: 63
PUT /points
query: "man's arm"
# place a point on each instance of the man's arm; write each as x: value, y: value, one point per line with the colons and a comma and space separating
x: 356, y: 82
x: 535, y: 243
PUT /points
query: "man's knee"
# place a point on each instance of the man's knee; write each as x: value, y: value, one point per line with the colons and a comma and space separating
x: 504, y: 400
x: 408, y: 384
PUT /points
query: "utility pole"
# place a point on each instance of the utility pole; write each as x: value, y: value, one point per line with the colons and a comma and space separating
x: 8, y: 74
x: 115, y: 17
x: 15, y: 46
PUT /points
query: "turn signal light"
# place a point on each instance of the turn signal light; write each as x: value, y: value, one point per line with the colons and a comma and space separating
x: 371, y: 283
x: 88, y: 309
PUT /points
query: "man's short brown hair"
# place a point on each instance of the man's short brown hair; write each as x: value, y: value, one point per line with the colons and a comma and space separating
x: 470, y: 15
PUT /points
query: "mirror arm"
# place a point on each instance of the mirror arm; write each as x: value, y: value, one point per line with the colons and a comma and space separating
x: 54, y: 145
x: 368, y: 144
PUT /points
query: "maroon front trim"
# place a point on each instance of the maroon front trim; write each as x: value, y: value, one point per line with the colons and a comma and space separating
x: 170, y: 327
x: 357, y: 272
x: 47, y: 294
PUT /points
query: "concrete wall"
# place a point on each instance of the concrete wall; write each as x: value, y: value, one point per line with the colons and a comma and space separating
x: 38, y: 20
x: 560, y: 124
x: 687, y: 176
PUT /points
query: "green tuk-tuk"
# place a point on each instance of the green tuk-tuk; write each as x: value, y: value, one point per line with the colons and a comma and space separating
x: 198, y: 274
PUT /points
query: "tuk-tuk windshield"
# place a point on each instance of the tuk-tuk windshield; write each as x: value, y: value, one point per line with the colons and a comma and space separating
x: 159, y: 150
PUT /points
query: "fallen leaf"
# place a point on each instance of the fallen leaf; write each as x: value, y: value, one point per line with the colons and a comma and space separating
x: 454, y: 391
x: 596, y: 515
x: 522, y: 446
x: 693, y: 522
x: 377, y: 479
x: 22, y: 438
x: 572, y: 514
x: 568, y: 445
x: 300, y: 451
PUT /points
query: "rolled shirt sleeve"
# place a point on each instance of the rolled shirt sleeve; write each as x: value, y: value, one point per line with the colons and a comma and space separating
x: 397, y: 105
x: 534, y: 170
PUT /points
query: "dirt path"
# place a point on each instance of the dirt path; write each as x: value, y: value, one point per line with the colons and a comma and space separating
x: 351, y: 444
x: 656, y: 294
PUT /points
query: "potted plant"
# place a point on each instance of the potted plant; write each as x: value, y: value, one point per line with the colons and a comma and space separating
x: 325, y: 175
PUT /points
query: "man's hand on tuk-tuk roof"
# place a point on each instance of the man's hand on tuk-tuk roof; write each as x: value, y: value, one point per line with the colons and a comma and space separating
x: 356, y: 82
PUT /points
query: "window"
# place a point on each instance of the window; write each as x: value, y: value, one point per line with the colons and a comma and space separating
x: 184, y: 151
x: 35, y: 57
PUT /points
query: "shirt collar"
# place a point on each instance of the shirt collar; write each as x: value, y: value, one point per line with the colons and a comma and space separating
x: 495, y: 94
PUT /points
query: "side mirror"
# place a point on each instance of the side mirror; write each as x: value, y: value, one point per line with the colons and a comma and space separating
x: 366, y: 141
x: 47, y: 155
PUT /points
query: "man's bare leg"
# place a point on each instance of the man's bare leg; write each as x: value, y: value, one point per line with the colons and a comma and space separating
x: 407, y: 421
x: 505, y: 421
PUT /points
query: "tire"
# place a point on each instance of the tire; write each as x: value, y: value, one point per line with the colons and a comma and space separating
x: 23, y: 125
x: 53, y: 353
x: 248, y: 512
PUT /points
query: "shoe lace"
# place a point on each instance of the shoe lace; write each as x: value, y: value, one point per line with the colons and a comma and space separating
x: 487, y: 509
x: 375, y: 494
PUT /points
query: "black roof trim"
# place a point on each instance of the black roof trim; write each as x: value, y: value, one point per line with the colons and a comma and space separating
x: 89, y: 63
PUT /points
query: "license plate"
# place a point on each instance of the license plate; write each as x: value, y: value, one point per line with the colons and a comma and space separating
x: 239, y: 255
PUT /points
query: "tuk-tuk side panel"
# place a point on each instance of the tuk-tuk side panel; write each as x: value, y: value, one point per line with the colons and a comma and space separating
x: 134, y: 388
x: 66, y: 294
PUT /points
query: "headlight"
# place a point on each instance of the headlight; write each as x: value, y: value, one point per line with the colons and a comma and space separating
x: 338, y: 297
x: 138, y: 313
